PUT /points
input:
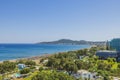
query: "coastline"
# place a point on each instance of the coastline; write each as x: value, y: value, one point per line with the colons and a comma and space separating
x: 37, y: 58
x: 33, y: 58
x: 11, y: 52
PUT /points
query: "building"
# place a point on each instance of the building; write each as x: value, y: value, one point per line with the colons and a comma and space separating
x: 107, y: 45
x: 81, y: 57
x: 104, y: 54
x: 21, y: 66
x: 83, y: 74
x: 115, y: 44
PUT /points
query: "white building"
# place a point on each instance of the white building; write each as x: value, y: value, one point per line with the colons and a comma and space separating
x: 85, y: 75
x: 21, y: 66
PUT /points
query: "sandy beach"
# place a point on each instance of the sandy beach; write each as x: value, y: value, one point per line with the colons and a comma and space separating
x: 34, y: 58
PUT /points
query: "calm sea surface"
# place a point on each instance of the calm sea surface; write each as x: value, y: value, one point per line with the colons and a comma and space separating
x: 14, y: 51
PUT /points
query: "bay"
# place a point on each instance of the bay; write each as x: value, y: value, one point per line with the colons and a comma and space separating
x: 15, y: 51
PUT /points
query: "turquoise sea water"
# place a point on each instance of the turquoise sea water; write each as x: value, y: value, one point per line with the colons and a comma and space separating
x: 14, y: 51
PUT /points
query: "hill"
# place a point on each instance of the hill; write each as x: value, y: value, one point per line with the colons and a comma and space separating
x: 74, y: 42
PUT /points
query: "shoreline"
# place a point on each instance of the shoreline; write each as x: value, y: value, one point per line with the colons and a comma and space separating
x: 36, y: 58
x: 30, y: 58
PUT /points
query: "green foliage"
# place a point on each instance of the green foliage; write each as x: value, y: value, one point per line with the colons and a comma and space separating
x: 105, y: 74
x: 20, y: 61
x: 71, y: 67
x: 25, y: 71
x: 31, y: 76
x: 52, y: 76
x: 7, y: 66
x: 116, y: 72
x: 118, y: 65
x: 70, y: 61
x: 30, y: 63
x: 0, y: 77
x: 26, y: 62
x: 41, y: 68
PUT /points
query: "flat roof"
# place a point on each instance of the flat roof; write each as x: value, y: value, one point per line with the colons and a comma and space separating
x: 107, y: 51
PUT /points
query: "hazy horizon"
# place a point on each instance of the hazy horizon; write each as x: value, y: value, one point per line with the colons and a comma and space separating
x: 28, y: 21
x: 49, y: 41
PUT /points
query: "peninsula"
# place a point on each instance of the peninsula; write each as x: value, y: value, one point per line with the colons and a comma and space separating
x: 75, y: 42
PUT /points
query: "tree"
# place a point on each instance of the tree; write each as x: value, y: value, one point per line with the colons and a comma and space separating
x: 25, y: 71
x: 47, y: 75
x: 101, y: 65
x: 41, y: 68
x: 119, y: 65
x: 79, y: 64
x: 20, y: 61
x: 7, y: 66
x: 71, y: 67
x: 30, y: 63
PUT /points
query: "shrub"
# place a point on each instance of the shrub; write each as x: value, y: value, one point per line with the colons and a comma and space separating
x: 25, y: 71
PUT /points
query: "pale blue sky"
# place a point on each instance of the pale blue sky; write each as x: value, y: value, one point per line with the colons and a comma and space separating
x: 30, y: 21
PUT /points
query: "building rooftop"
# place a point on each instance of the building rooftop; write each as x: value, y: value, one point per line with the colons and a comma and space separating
x: 83, y: 71
x: 107, y: 54
x: 108, y: 51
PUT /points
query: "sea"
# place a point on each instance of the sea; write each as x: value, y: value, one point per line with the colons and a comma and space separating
x: 16, y: 51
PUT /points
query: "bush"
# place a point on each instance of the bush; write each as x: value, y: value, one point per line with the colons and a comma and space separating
x: 7, y: 66
x: 41, y: 68
x: 30, y: 63
x: 25, y: 71
x: 47, y: 75
x: 32, y: 67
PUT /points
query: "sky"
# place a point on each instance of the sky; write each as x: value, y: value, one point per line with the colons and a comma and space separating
x: 31, y: 21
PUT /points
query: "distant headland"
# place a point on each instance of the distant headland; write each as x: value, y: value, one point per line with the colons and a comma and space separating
x: 75, y: 42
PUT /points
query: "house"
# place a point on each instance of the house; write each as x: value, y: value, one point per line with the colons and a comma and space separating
x: 85, y: 75
x: 45, y: 61
x: 81, y: 57
x: 21, y: 66
x: 116, y: 78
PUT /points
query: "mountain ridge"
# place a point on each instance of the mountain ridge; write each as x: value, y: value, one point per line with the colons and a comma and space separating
x: 75, y: 42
